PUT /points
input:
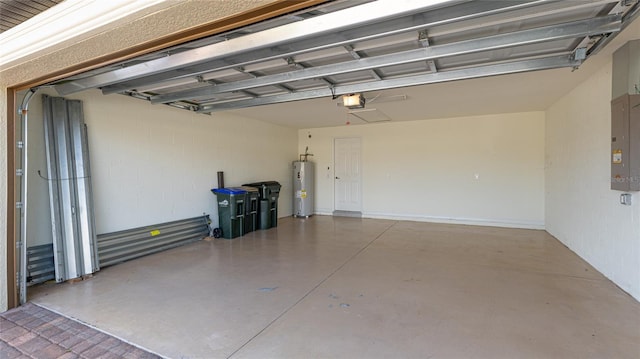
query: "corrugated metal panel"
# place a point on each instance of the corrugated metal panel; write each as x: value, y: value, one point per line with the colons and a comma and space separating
x: 70, y: 193
x: 40, y: 267
x: 15, y: 12
x: 125, y: 245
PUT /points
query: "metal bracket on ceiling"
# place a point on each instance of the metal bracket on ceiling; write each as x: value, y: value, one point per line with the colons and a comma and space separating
x: 579, y: 54
x: 627, y: 10
x: 137, y: 95
x: 423, y: 40
x: 356, y: 56
x: 628, y: 2
x: 285, y: 88
x: 187, y: 107
x: 202, y: 80
x: 352, y: 51
x: 243, y: 70
x: 292, y: 62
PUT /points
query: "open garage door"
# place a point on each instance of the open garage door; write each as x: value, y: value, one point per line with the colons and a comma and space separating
x: 347, y: 47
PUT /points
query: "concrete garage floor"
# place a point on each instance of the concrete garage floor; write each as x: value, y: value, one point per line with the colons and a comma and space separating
x: 335, y: 287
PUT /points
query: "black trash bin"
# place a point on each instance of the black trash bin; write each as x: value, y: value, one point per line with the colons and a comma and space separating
x: 231, y: 211
x: 251, y: 209
x: 269, y: 192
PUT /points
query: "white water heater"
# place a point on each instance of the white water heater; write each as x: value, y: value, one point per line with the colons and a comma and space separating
x: 303, y: 188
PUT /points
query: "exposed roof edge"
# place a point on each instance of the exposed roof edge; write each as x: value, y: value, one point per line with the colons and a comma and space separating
x: 71, y: 19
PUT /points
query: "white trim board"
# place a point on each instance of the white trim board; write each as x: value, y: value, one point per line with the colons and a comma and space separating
x: 435, y: 219
x: 70, y: 20
x: 323, y: 212
x: 466, y: 221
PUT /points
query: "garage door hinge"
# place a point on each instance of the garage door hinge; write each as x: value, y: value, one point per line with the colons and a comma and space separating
x: 19, y: 172
x: 18, y: 279
x: 20, y: 144
x: 19, y: 205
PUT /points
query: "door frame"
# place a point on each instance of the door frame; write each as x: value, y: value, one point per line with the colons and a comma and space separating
x: 268, y: 11
x: 335, y: 205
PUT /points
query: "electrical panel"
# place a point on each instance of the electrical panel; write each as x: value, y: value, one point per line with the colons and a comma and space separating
x: 625, y: 143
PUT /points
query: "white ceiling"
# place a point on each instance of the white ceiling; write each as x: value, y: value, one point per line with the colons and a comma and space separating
x: 533, y: 91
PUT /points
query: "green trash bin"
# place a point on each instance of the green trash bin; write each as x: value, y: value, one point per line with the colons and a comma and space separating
x: 251, y: 209
x: 264, y: 220
x: 273, y: 193
x: 231, y: 211
x: 268, y: 209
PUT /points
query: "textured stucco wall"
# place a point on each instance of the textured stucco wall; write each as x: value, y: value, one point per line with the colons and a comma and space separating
x: 133, y: 31
x: 581, y: 209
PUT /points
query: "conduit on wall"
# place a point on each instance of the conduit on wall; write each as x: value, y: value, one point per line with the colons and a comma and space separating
x: 70, y: 193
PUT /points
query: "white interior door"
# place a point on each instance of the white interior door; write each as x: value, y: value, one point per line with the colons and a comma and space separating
x: 348, y: 174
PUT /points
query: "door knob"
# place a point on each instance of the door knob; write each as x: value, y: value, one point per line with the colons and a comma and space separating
x: 337, y: 177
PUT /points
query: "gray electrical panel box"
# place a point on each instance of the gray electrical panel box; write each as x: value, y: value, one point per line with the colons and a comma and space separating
x: 625, y: 143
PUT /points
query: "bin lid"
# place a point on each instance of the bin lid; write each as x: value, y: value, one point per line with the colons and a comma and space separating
x: 272, y: 185
x: 254, y: 184
x: 263, y: 184
x: 231, y: 190
x: 249, y: 189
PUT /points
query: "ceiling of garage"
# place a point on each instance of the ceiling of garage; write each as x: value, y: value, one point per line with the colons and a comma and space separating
x: 400, y: 54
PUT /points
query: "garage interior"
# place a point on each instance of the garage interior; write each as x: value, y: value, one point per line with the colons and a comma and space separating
x: 484, y: 213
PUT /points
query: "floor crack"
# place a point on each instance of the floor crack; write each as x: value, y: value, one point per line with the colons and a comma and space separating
x: 314, y: 288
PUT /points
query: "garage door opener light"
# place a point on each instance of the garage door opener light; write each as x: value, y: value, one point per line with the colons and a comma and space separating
x: 353, y: 101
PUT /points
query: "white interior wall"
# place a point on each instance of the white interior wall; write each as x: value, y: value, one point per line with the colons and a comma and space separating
x: 153, y: 163
x: 426, y: 170
x: 581, y: 209
x: 130, y: 32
